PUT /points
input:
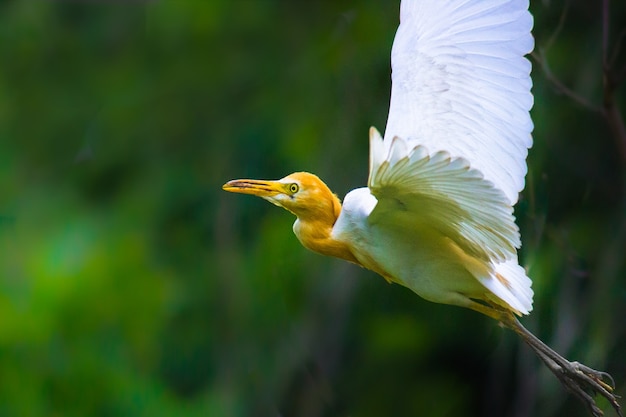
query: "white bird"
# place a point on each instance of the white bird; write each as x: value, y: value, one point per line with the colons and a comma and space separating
x: 437, y: 213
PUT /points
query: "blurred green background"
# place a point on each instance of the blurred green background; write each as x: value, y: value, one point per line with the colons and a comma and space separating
x: 132, y: 285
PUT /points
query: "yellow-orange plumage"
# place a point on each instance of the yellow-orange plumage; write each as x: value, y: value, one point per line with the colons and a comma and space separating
x: 314, y: 204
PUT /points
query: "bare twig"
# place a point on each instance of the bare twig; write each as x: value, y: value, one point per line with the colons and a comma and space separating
x: 605, y: 35
x: 617, y: 47
x: 540, y: 57
x: 612, y: 80
x: 561, y: 88
x: 616, y: 124
x: 559, y: 27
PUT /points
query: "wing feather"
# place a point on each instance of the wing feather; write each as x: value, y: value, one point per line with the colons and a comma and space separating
x: 416, y: 189
x: 461, y: 85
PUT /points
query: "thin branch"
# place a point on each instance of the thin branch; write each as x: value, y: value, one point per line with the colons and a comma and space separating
x: 612, y: 80
x: 616, y: 124
x: 620, y: 76
x: 605, y: 35
x: 617, y: 47
x: 558, y: 29
x: 561, y: 88
x: 540, y: 58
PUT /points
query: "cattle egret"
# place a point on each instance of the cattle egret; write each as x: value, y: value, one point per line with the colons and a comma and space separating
x: 437, y: 213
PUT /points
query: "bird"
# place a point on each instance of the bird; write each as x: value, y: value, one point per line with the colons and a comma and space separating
x: 436, y: 215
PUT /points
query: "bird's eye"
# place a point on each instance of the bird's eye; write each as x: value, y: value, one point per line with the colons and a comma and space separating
x: 293, y: 188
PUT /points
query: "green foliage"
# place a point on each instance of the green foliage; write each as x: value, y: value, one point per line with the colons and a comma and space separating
x: 130, y: 284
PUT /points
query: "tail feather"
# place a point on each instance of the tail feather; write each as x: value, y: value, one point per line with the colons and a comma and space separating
x: 510, y: 284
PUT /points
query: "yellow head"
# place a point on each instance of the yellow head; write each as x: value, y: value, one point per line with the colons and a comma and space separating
x: 301, y: 193
x: 306, y: 196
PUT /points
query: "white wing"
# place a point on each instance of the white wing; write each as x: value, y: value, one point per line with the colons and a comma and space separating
x: 429, y: 196
x: 453, y: 159
x: 417, y: 190
x: 461, y: 84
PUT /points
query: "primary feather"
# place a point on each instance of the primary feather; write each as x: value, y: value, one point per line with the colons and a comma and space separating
x: 461, y: 84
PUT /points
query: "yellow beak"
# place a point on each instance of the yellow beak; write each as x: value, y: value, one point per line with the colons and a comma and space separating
x: 259, y: 188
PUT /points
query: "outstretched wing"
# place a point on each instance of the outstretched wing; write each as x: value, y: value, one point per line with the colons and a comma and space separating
x: 461, y: 84
x: 425, y: 191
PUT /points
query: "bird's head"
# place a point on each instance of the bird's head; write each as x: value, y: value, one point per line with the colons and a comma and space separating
x: 301, y: 193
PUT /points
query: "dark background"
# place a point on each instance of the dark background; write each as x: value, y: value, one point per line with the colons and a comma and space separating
x: 131, y: 284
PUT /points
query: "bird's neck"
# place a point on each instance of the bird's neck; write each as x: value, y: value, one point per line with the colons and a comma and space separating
x: 315, y: 231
